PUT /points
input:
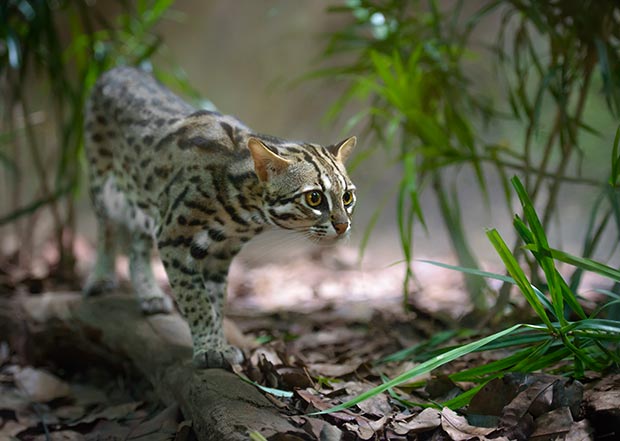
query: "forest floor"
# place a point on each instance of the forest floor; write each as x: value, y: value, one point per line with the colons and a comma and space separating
x: 316, y: 328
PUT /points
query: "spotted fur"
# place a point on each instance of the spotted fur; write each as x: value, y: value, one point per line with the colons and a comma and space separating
x: 199, y: 185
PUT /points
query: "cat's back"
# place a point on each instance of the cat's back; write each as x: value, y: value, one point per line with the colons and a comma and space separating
x: 132, y: 97
x: 139, y: 108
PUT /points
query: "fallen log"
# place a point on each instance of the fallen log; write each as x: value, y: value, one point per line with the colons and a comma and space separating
x: 111, y: 330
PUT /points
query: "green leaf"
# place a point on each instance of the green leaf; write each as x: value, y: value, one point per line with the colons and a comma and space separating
x: 472, y: 271
x: 554, y: 280
x: 615, y: 160
x: 256, y: 436
x: 422, y: 368
x: 611, y: 327
x: 487, y: 370
x: 542, y: 357
x: 407, y: 353
x: 519, y: 276
x: 275, y: 392
x: 581, y: 262
x: 463, y: 399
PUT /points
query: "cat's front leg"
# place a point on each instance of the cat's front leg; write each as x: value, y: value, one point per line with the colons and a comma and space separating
x: 199, y: 285
x: 210, y: 346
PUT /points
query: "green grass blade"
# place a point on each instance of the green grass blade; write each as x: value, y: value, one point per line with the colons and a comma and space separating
x: 580, y: 354
x: 586, y: 264
x: 599, y: 325
x: 270, y: 390
x: 615, y: 160
x: 571, y: 299
x: 519, y: 276
x: 472, y: 271
x: 608, y: 293
x: 256, y: 436
x: 540, y: 239
x: 422, y: 368
x: 463, y: 399
x: 527, y: 338
x: 407, y: 353
x: 482, y: 372
x: 500, y: 277
x: 542, y: 361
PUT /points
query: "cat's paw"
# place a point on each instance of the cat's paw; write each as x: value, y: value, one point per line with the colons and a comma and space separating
x: 159, y: 304
x: 98, y: 285
x: 224, y: 357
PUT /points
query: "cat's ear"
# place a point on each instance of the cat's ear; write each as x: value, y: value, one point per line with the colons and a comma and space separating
x: 266, y: 162
x: 343, y: 149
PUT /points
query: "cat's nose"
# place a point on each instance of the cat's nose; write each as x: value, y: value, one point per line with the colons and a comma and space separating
x: 340, y: 228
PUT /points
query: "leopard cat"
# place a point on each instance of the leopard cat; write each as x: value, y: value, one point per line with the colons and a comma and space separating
x: 200, y: 185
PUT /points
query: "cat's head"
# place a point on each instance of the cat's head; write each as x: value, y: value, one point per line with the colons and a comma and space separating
x: 306, y: 187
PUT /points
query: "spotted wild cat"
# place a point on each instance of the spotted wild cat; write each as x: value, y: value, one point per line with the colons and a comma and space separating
x: 199, y: 184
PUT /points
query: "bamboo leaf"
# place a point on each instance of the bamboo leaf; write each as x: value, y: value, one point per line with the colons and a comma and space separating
x: 519, y: 276
x: 581, y: 262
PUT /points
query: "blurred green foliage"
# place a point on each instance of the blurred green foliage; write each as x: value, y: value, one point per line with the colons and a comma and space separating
x: 51, y: 53
x: 563, y: 339
x: 404, y: 61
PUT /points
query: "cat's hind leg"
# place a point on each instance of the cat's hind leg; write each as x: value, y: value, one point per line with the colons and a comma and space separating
x: 150, y: 296
x: 103, y: 276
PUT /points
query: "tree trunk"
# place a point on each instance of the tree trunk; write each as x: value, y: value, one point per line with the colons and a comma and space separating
x: 111, y: 330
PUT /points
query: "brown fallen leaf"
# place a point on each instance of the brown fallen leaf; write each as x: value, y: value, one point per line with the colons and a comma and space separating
x: 515, y: 414
x: 319, y: 403
x: 366, y: 429
x: 441, y: 388
x: 61, y: 435
x: 106, y: 430
x: 40, y: 386
x: 604, y: 395
x: 162, y: 426
x: 110, y: 413
x: 377, y: 406
x: 426, y: 420
x: 332, y: 370
x: 317, y: 428
x: 294, y: 377
x: 10, y: 429
x: 491, y: 399
x: 70, y: 412
x: 459, y: 429
x: 552, y: 424
x: 325, y: 338
x: 580, y: 431
x: 37, y: 413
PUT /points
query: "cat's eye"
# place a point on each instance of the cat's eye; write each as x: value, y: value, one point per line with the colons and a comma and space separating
x: 347, y: 198
x: 314, y: 198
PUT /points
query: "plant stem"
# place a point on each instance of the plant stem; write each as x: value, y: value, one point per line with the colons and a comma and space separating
x: 568, y: 148
x: 40, y: 168
x: 543, y: 174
